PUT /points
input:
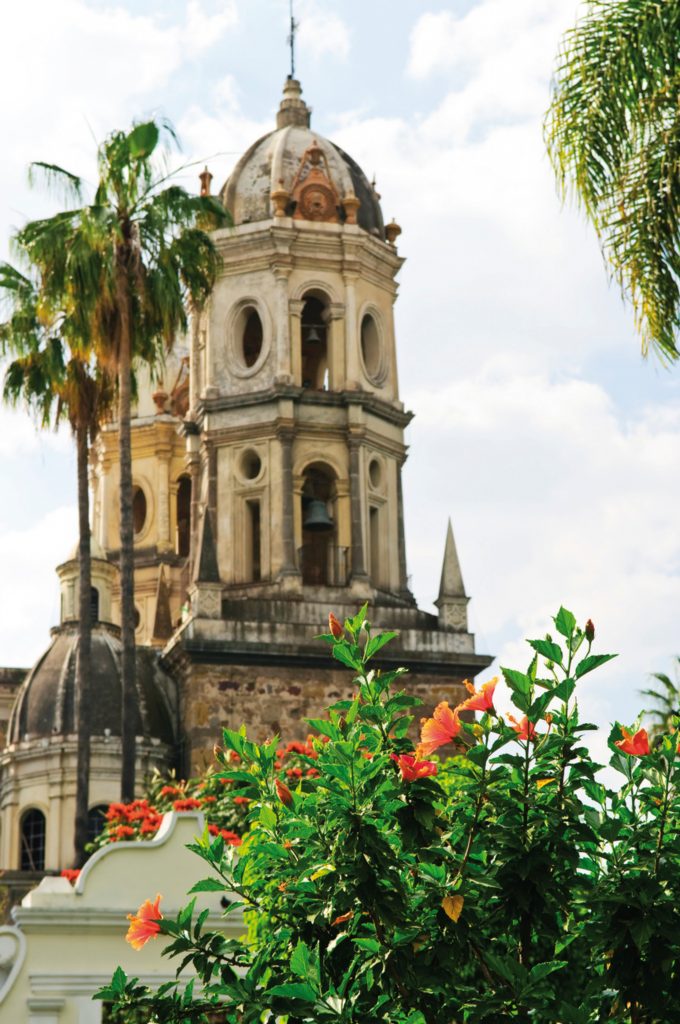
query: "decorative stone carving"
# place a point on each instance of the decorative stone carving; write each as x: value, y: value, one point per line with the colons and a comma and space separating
x: 313, y: 192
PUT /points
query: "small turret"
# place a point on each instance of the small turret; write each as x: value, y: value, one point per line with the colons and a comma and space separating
x: 103, y: 577
x: 452, y: 601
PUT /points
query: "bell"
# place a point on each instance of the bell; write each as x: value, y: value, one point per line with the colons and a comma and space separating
x: 316, y: 517
x: 313, y: 336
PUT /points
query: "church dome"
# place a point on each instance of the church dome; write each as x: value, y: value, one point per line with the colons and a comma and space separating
x: 270, y: 178
x: 45, y: 704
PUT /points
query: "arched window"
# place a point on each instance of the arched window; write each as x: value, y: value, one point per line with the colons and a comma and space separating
x: 183, y: 516
x: 32, y: 854
x: 320, y: 558
x: 96, y: 819
x: 314, y: 344
x: 94, y: 605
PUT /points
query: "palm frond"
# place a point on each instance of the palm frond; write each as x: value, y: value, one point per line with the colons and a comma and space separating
x: 613, y: 136
x: 59, y: 181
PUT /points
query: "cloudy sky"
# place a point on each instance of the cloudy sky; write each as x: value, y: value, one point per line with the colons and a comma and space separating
x: 539, y: 428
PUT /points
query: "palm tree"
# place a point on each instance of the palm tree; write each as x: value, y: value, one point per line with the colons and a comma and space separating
x: 667, y: 699
x: 129, y: 262
x: 57, y: 381
x: 613, y: 135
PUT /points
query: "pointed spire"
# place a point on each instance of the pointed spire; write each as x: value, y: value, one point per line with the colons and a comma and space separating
x: 451, y: 584
x: 452, y: 600
x: 162, y: 623
x: 207, y: 570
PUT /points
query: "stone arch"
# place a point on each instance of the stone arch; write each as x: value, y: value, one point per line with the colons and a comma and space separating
x: 313, y: 285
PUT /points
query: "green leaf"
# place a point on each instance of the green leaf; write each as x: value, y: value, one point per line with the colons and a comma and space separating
x: 208, y: 885
x: 370, y: 945
x: 293, y: 990
x: 267, y: 817
x: 591, y: 662
x: 540, y: 971
x: 301, y: 963
x: 548, y: 649
x: 565, y: 622
x: 520, y: 686
x: 342, y: 654
x: 376, y: 643
x: 143, y: 139
x: 564, y: 690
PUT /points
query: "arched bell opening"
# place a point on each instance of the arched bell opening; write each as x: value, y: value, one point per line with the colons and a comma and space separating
x: 322, y: 561
x: 314, y: 343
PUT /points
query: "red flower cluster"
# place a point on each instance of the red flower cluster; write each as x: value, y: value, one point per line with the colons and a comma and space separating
x: 189, y: 803
x: 71, y: 874
x: 229, y: 837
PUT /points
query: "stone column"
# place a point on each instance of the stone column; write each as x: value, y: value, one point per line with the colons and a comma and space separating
x: 283, y: 370
x: 336, y: 346
x: 401, y: 537
x: 288, y: 560
x: 163, y: 539
x: 358, y: 559
x: 351, y: 335
x: 295, y: 339
x: 194, y: 360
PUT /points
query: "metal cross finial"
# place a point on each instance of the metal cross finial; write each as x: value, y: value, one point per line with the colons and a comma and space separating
x: 294, y: 25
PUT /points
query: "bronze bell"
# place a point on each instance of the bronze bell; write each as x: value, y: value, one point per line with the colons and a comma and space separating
x: 316, y: 516
x: 312, y: 335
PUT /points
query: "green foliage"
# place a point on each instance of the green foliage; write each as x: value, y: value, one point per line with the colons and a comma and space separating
x: 506, y: 883
x: 613, y: 134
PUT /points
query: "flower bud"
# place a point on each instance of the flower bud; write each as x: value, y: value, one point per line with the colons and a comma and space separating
x: 283, y: 793
x: 334, y: 626
x: 589, y: 631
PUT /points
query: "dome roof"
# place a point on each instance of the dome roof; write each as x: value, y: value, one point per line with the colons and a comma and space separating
x: 45, y: 704
x: 275, y: 162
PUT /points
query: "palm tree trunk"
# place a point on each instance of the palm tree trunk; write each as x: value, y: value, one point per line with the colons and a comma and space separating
x: 127, y: 581
x: 84, y: 660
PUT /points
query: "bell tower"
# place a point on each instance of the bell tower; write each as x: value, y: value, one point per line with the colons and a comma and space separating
x: 295, y: 442
x: 267, y: 464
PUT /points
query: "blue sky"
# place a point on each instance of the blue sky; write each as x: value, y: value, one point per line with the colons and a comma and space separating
x: 539, y: 428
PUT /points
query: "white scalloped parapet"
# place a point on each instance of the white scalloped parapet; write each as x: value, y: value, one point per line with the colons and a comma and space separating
x: 68, y: 940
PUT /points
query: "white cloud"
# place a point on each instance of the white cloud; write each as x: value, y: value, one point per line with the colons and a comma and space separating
x: 31, y: 597
x: 322, y: 31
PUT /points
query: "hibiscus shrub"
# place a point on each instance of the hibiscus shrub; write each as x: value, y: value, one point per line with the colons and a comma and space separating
x: 506, y: 883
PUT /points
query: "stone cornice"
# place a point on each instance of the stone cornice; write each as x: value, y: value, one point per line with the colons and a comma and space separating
x: 303, y: 396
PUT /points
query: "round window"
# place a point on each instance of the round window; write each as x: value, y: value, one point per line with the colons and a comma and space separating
x: 375, y: 474
x: 370, y: 347
x: 138, y: 509
x: 251, y: 464
x: 252, y: 337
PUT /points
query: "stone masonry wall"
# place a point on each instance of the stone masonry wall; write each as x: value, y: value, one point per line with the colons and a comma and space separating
x: 275, y: 701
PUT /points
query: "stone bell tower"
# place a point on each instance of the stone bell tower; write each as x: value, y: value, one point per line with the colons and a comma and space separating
x: 295, y: 442
x: 267, y: 462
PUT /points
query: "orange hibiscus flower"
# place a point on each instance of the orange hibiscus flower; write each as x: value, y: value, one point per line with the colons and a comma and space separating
x: 637, y: 745
x: 412, y: 769
x: 145, y: 924
x: 443, y: 727
x: 480, y: 700
x: 525, y: 729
